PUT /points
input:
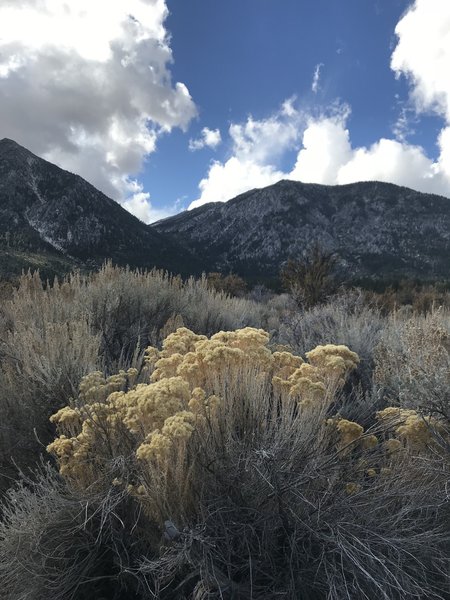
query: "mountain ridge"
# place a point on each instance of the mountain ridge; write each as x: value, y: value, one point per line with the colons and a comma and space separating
x: 377, y: 229
x: 56, y: 221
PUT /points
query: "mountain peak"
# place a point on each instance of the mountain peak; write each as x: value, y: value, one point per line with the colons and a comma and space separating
x: 8, y: 143
x: 9, y: 149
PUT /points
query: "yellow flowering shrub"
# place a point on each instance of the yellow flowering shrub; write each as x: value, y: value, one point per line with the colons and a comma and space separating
x: 191, y: 378
x: 67, y: 418
x: 206, y: 388
x: 351, y: 436
x: 96, y: 388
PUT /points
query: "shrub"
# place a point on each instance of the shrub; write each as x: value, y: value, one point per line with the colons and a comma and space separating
x: 421, y: 297
x: 346, y: 319
x: 413, y: 361
x: 310, y: 279
x: 42, y: 364
x: 235, y: 454
x: 53, y: 335
x: 129, y: 307
x: 56, y: 545
x: 231, y: 284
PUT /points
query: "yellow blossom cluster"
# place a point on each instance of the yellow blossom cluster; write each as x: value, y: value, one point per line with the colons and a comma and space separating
x: 338, y: 360
x: 188, y: 388
x: 307, y: 382
x: 146, y: 407
x: 158, y: 444
x: 351, y: 435
x: 96, y: 388
x: 68, y: 419
x: 156, y: 415
x: 411, y: 430
x: 349, y: 431
x: 198, y: 360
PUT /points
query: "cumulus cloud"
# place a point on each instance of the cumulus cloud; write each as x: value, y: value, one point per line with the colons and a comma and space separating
x: 139, y: 205
x: 328, y: 157
x: 264, y: 140
x: 326, y: 146
x: 227, y: 180
x: 88, y: 86
x: 423, y: 54
x: 391, y: 161
x: 255, y: 146
x: 326, y: 154
x: 209, y: 138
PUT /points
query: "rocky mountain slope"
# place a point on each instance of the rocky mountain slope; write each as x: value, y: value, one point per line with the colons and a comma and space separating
x: 377, y: 229
x: 54, y: 220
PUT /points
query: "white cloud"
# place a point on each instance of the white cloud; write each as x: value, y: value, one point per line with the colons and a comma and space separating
x: 328, y: 157
x: 264, y: 140
x: 423, y: 54
x: 209, y: 138
x: 391, y: 161
x: 139, y: 205
x: 88, y: 86
x: 404, y: 126
x: 316, y: 78
x: 227, y: 180
x: 444, y: 156
x: 256, y: 147
x: 326, y: 146
x: 288, y: 107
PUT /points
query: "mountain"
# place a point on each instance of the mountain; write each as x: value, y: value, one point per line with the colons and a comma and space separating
x: 378, y: 230
x: 54, y: 220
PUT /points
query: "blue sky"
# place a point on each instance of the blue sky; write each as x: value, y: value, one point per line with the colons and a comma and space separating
x: 246, y: 57
x: 168, y: 104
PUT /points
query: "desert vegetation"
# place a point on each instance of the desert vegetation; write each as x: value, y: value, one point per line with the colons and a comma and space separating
x: 161, y: 438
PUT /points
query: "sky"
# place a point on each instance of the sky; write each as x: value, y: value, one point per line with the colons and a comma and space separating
x: 166, y: 105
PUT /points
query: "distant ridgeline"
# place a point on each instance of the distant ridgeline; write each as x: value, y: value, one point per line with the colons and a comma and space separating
x: 55, y: 221
x: 378, y: 230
